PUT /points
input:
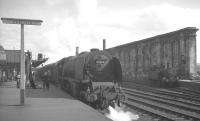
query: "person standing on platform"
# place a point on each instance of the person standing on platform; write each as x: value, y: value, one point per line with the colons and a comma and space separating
x: 4, y: 76
x: 48, y: 79
x: 44, y: 80
x: 34, y: 77
x: 18, y: 80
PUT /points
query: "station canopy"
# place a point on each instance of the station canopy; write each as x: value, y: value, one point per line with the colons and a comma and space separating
x: 2, y: 55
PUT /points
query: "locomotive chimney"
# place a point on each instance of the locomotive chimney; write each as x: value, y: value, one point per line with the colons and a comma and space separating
x: 77, y: 52
x: 104, y: 44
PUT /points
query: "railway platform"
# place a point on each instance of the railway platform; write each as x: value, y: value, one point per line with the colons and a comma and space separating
x: 190, y: 84
x: 44, y: 105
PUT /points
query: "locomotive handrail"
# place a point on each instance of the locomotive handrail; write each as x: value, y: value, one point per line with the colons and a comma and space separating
x: 103, y: 83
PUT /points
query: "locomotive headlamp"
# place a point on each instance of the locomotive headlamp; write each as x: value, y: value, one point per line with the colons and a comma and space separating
x: 100, y: 61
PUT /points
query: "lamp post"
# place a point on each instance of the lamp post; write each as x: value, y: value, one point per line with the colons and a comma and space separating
x: 22, y: 62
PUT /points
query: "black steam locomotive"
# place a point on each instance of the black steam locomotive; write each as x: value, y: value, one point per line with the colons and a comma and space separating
x: 93, y: 77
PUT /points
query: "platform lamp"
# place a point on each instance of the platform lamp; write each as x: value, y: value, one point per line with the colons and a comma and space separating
x: 22, y: 62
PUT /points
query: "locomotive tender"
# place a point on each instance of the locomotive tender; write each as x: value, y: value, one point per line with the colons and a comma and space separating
x: 93, y: 77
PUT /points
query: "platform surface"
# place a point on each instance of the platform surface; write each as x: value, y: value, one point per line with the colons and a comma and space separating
x: 45, y: 105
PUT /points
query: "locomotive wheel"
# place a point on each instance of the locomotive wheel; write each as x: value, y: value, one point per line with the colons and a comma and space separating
x: 118, y: 103
x: 104, y: 103
x: 112, y: 103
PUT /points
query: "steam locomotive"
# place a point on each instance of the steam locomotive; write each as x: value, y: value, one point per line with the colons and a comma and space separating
x: 93, y: 77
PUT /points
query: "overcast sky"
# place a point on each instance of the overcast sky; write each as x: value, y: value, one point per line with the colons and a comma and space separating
x: 84, y: 23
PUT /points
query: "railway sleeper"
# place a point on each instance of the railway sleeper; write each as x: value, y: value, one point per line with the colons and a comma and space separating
x: 163, y: 115
x: 171, y: 97
x: 161, y: 97
x: 167, y: 108
x: 173, y: 103
x: 158, y: 91
x: 188, y: 92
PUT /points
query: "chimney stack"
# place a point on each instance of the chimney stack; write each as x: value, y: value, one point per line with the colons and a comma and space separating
x: 77, y: 51
x: 104, y: 44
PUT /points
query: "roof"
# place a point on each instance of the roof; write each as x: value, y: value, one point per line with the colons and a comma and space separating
x: 161, y: 35
x: 1, y: 48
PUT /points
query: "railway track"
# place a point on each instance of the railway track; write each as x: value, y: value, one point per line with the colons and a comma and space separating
x: 180, y: 94
x: 164, y: 107
x: 169, y: 93
x: 160, y: 98
x: 187, y: 91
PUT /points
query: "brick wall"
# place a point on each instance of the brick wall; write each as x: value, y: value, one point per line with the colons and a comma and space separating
x: 175, y: 50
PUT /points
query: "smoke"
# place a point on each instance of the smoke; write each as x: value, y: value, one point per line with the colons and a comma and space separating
x: 118, y: 114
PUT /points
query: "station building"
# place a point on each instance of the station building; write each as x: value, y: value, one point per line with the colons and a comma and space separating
x: 9, y: 64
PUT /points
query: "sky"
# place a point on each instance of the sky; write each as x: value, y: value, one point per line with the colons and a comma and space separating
x: 85, y: 23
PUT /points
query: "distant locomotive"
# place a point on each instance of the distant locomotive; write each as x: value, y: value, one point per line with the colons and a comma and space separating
x: 93, y: 77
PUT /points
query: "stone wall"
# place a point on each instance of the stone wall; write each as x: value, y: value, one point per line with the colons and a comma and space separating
x: 175, y: 50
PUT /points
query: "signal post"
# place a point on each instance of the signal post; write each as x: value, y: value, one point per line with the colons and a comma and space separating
x: 22, y: 62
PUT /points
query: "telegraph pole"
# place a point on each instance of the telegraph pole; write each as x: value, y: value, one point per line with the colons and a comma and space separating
x: 22, y: 62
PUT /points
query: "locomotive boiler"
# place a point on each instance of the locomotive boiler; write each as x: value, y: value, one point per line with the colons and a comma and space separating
x: 94, y: 78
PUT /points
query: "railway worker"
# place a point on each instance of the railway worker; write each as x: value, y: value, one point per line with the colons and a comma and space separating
x: 44, y: 79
